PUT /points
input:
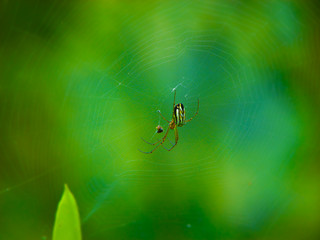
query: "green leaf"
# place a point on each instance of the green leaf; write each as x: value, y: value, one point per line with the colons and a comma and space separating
x: 67, y: 223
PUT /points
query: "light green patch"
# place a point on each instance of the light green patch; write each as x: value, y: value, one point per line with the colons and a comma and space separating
x: 67, y: 223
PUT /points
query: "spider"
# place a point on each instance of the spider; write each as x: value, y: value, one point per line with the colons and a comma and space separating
x: 178, y: 120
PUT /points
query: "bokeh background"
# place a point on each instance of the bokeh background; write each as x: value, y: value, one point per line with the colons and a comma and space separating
x: 82, y: 82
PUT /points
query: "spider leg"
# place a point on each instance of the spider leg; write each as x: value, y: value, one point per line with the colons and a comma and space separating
x: 169, y: 141
x: 194, y: 114
x: 152, y: 143
x: 163, y: 117
x: 176, y: 139
x: 174, y: 101
x: 163, y: 139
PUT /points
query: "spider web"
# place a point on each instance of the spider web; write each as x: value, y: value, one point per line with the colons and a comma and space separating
x: 118, y: 76
x: 244, y: 110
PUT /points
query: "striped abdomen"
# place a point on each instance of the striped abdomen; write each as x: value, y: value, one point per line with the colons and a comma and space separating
x: 179, y: 115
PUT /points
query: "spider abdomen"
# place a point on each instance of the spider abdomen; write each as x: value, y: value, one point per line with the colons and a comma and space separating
x: 179, y: 115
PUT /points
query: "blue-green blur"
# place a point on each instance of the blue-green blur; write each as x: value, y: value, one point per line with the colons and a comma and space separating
x: 83, y: 81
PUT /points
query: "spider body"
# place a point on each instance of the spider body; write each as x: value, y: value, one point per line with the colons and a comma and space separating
x: 178, y: 120
x: 179, y: 115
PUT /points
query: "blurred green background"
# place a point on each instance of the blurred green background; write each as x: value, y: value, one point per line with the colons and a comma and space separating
x: 82, y: 81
